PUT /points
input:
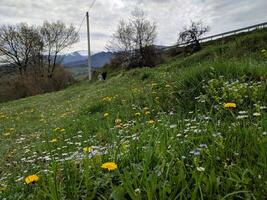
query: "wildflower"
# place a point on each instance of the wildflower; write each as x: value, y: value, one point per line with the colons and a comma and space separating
x: 147, y: 113
x: 57, y: 129
x: 242, y: 116
x: 87, y: 149
x: 256, y: 114
x: 106, y: 115
x: 110, y: 166
x: 204, y: 146
x: 195, y: 152
x: 54, y: 140
x: 138, y: 191
x: 62, y: 130
x: 32, y: 179
x: 137, y: 114
x: 118, y: 121
x: 230, y: 105
x: 263, y: 51
x: 146, y: 108
x: 108, y: 99
x: 151, y: 122
x: 173, y: 126
x: 264, y: 133
x: 200, y: 169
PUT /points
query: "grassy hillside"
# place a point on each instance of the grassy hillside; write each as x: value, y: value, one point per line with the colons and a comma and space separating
x: 167, y: 130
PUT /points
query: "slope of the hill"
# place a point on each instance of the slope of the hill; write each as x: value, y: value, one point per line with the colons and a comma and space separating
x: 168, y: 132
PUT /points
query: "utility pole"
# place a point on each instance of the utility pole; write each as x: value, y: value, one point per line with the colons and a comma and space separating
x: 89, y: 48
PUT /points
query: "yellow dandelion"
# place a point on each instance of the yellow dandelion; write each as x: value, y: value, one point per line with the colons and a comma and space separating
x: 137, y: 114
x: 56, y: 129
x: 7, y: 134
x: 87, y: 149
x: 151, y: 122
x: 54, y: 140
x: 147, y: 113
x: 110, y: 166
x: 230, y: 105
x: 118, y: 121
x: 32, y: 179
x: 106, y: 115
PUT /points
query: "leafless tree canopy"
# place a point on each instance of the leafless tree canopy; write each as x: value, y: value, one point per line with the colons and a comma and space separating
x: 134, y: 39
x: 191, y: 34
x: 56, y: 38
x: 20, y: 45
x: 36, y: 47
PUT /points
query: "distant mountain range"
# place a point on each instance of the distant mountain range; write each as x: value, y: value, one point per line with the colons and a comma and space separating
x: 80, y: 59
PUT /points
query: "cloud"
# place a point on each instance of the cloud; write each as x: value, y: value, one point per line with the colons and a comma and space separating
x: 169, y: 15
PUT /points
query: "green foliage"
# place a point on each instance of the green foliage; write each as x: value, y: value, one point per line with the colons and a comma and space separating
x: 166, y: 128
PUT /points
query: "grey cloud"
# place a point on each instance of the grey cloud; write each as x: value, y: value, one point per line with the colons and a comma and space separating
x: 170, y: 15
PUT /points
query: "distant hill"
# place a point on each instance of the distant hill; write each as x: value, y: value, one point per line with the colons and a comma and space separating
x: 80, y: 59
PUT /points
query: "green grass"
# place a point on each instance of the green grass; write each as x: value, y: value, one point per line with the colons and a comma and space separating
x: 78, y: 72
x: 166, y: 129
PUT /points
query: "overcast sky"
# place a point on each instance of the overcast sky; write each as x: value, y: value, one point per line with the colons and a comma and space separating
x: 169, y: 15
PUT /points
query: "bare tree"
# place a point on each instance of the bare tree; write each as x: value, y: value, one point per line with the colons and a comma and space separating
x: 57, y: 37
x: 134, y: 39
x: 19, y: 45
x: 191, y: 35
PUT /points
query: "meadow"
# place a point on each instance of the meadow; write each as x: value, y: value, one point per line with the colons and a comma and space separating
x: 192, y: 128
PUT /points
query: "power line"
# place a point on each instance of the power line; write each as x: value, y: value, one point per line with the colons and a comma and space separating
x: 81, y: 24
x: 93, y: 3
